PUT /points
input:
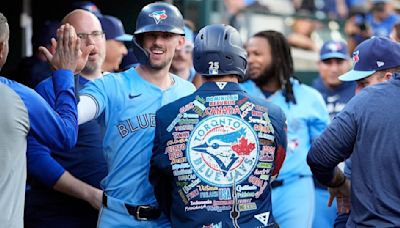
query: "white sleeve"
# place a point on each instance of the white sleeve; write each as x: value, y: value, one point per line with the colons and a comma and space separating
x: 87, y: 109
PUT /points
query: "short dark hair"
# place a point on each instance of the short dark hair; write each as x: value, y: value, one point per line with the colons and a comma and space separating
x: 3, y: 27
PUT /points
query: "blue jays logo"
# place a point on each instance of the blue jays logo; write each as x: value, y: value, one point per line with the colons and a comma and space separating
x: 334, y: 47
x: 222, y: 149
x: 356, y: 57
x: 158, y: 16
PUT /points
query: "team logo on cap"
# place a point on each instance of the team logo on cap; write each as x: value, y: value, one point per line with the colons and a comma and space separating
x: 334, y: 47
x: 356, y: 57
x: 158, y: 16
x: 222, y: 149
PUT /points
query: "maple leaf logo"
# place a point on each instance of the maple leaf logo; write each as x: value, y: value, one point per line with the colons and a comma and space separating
x: 243, y: 147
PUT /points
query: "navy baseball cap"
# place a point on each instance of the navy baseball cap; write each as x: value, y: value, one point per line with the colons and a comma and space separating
x: 113, y: 28
x: 371, y: 55
x: 88, y: 6
x: 334, y: 50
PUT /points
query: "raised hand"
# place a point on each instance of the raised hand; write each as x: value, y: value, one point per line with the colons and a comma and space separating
x: 68, y: 53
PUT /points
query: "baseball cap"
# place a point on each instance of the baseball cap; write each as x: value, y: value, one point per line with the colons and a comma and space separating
x: 373, y: 54
x: 87, y: 5
x: 43, y: 36
x: 113, y: 28
x: 334, y: 50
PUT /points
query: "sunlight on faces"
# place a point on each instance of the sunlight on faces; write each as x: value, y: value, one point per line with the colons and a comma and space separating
x: 259, y: 57
x: 161, y: 47
x: 331, y: 69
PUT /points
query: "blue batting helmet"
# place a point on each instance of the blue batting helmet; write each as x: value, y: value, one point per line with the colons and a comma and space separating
x: 218, y: 50
x: 156, y: 17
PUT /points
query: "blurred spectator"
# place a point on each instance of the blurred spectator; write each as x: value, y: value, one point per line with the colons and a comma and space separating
x: 382, y: 17
x: 32, y: 70
x: 395, y: 33
x: 302, y: 33
x: 182, y: 63
x: 115, y: 38
x: 357, y: 28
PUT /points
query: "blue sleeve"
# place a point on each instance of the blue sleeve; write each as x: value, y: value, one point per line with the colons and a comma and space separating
x: 333, y: 146
x: 39, y: 156
x: 40, y: 165
x: 96, y: 90
x: 319, y: 118
x: 161, y: 176
x: 57, y: 129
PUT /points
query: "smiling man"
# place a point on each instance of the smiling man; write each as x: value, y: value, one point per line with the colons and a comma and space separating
x: 126, y: 104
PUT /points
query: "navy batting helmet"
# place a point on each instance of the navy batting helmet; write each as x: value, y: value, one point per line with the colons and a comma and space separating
x: 156, y: 17
x: 218, y: 50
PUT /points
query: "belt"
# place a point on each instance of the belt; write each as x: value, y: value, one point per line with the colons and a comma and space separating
x: 278, y: 183
x: 141, y: 212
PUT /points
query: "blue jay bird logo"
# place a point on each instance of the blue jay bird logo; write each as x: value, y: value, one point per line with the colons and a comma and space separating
x: 221, y: 149
x: 158, y: 16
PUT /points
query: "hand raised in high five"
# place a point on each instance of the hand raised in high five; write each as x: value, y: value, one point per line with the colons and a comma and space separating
x: 68, y: 53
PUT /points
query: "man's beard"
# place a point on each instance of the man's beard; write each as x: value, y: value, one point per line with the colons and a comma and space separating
x: 159, y: 66
x: 90, y: 68
x: 266, y: 76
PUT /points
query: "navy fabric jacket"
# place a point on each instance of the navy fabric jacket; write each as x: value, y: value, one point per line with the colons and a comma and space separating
x: 214, y: 155
x: 366, y: 129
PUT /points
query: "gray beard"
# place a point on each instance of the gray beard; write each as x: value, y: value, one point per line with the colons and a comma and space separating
x: 89, y: 68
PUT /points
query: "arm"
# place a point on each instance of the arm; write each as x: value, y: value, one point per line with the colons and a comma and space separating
x: 58, y: 130
x: 333, y: 146
x: 56, y: 177
x: 43, y: 168
x: 54, y: 128
x: 72, y: 186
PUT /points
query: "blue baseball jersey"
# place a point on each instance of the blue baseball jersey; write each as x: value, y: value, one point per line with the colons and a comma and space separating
x: 213, y: 157
x: 128, y: 104
x: 306, y: 120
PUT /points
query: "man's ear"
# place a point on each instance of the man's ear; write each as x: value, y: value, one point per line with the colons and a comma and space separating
x: 181, y: 42
x: 388, y: 75
x: 2, y: 47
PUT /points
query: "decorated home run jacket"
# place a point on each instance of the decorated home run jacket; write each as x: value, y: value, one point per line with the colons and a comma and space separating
x: 214, y: 155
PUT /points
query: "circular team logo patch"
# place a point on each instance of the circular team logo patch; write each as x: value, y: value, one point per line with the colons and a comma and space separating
x: 222, y: 149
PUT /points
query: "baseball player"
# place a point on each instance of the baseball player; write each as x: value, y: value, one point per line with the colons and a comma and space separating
x: 25, y: 113
x: 126, y: 103
x: 216, y: 151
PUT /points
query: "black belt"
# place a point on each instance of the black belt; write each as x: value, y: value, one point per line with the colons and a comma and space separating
x: 142, y: 212
x: 278, y: 183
